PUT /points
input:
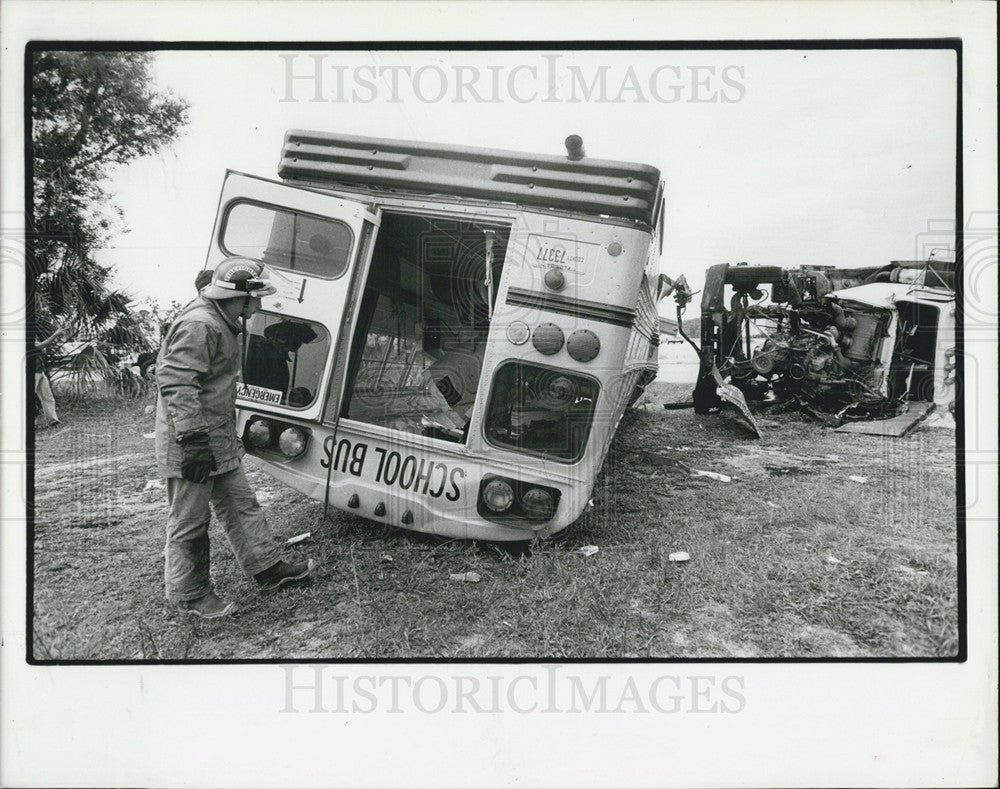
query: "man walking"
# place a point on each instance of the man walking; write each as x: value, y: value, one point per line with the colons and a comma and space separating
x: 197, y: 449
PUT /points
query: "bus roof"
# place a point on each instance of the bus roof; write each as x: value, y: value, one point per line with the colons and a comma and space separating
x: 588, y: 186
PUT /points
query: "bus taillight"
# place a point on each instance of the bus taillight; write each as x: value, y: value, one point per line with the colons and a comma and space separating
x: 538, y: 504
x: 498, y: 495
x: 270, y: 435
x: 504, y: 500
x: 259, y: 434
x: 292, y: 442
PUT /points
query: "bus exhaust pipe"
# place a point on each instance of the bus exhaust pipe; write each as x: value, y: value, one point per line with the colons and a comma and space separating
x: 574, y: 148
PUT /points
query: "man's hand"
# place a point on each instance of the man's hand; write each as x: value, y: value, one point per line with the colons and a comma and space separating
x: 198, y: 461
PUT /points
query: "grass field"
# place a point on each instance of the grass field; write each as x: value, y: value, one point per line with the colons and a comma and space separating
x: 789, y: 558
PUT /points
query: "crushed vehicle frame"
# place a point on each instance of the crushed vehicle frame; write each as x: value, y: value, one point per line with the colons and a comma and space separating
x: 839, y: 343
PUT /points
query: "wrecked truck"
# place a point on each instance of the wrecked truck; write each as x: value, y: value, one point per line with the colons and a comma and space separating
x: 841, y: 344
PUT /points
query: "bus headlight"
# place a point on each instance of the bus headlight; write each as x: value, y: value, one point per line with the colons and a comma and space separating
x: 498, y: 495
x: 292, y: 442
x: 259, y: 434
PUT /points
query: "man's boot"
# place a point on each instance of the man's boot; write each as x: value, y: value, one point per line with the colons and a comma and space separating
x: 277, y: 575
x: 207, y: 607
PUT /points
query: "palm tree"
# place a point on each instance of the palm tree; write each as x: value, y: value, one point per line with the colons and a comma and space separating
x: 90, y: 111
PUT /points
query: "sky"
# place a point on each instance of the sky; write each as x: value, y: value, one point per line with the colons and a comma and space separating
x: 770, y: 157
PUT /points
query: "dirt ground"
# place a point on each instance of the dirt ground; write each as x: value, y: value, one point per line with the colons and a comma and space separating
x: 790, y: 557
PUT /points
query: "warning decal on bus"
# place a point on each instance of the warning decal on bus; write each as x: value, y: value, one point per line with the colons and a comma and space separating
x: 258, y: 393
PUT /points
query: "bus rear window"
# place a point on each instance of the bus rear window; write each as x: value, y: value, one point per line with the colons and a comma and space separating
x: 541, y: 410
x: 288, y: 240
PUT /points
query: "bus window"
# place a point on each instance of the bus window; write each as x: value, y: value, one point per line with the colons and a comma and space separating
x: 284, y: 361
x: 540, y: 410
x: 287, y: 240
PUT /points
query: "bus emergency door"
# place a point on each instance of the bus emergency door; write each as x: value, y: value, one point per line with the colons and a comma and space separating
x: 316, y: 247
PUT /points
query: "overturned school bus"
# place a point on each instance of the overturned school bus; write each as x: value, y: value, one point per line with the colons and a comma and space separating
x: 456, y: 332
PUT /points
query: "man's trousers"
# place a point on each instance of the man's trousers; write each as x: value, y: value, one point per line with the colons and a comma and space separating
x: 229, y: 494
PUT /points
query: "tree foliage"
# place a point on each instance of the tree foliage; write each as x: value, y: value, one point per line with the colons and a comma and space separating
x: 91, y: 112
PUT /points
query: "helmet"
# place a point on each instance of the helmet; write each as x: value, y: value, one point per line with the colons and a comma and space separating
x: 238, y: 277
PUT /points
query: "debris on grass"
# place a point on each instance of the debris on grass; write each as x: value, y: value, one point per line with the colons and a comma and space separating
x: 711, y: 475
x: 940, y: 419
x: 469, y: 577
x: 588, y: 550
x: 153, y: 484
x: 833, y: 559
x: 385, y: 558
x: 858, y: 478
x: 298, y: 538
x: 149, y: 435
x: 679, y: 556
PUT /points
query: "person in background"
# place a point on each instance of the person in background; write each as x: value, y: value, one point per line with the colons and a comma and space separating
x: 204, y: 278
x: 43, y: 387
x: 269, y: 356
x: 197, y: 449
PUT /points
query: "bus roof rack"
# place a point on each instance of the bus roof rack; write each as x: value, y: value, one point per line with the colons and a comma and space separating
x: 588, y: 186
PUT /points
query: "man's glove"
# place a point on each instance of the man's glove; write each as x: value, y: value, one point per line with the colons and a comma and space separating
x: 198, y: 461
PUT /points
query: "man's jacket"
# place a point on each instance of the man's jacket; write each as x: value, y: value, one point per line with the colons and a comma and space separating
x: 196, y: 373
